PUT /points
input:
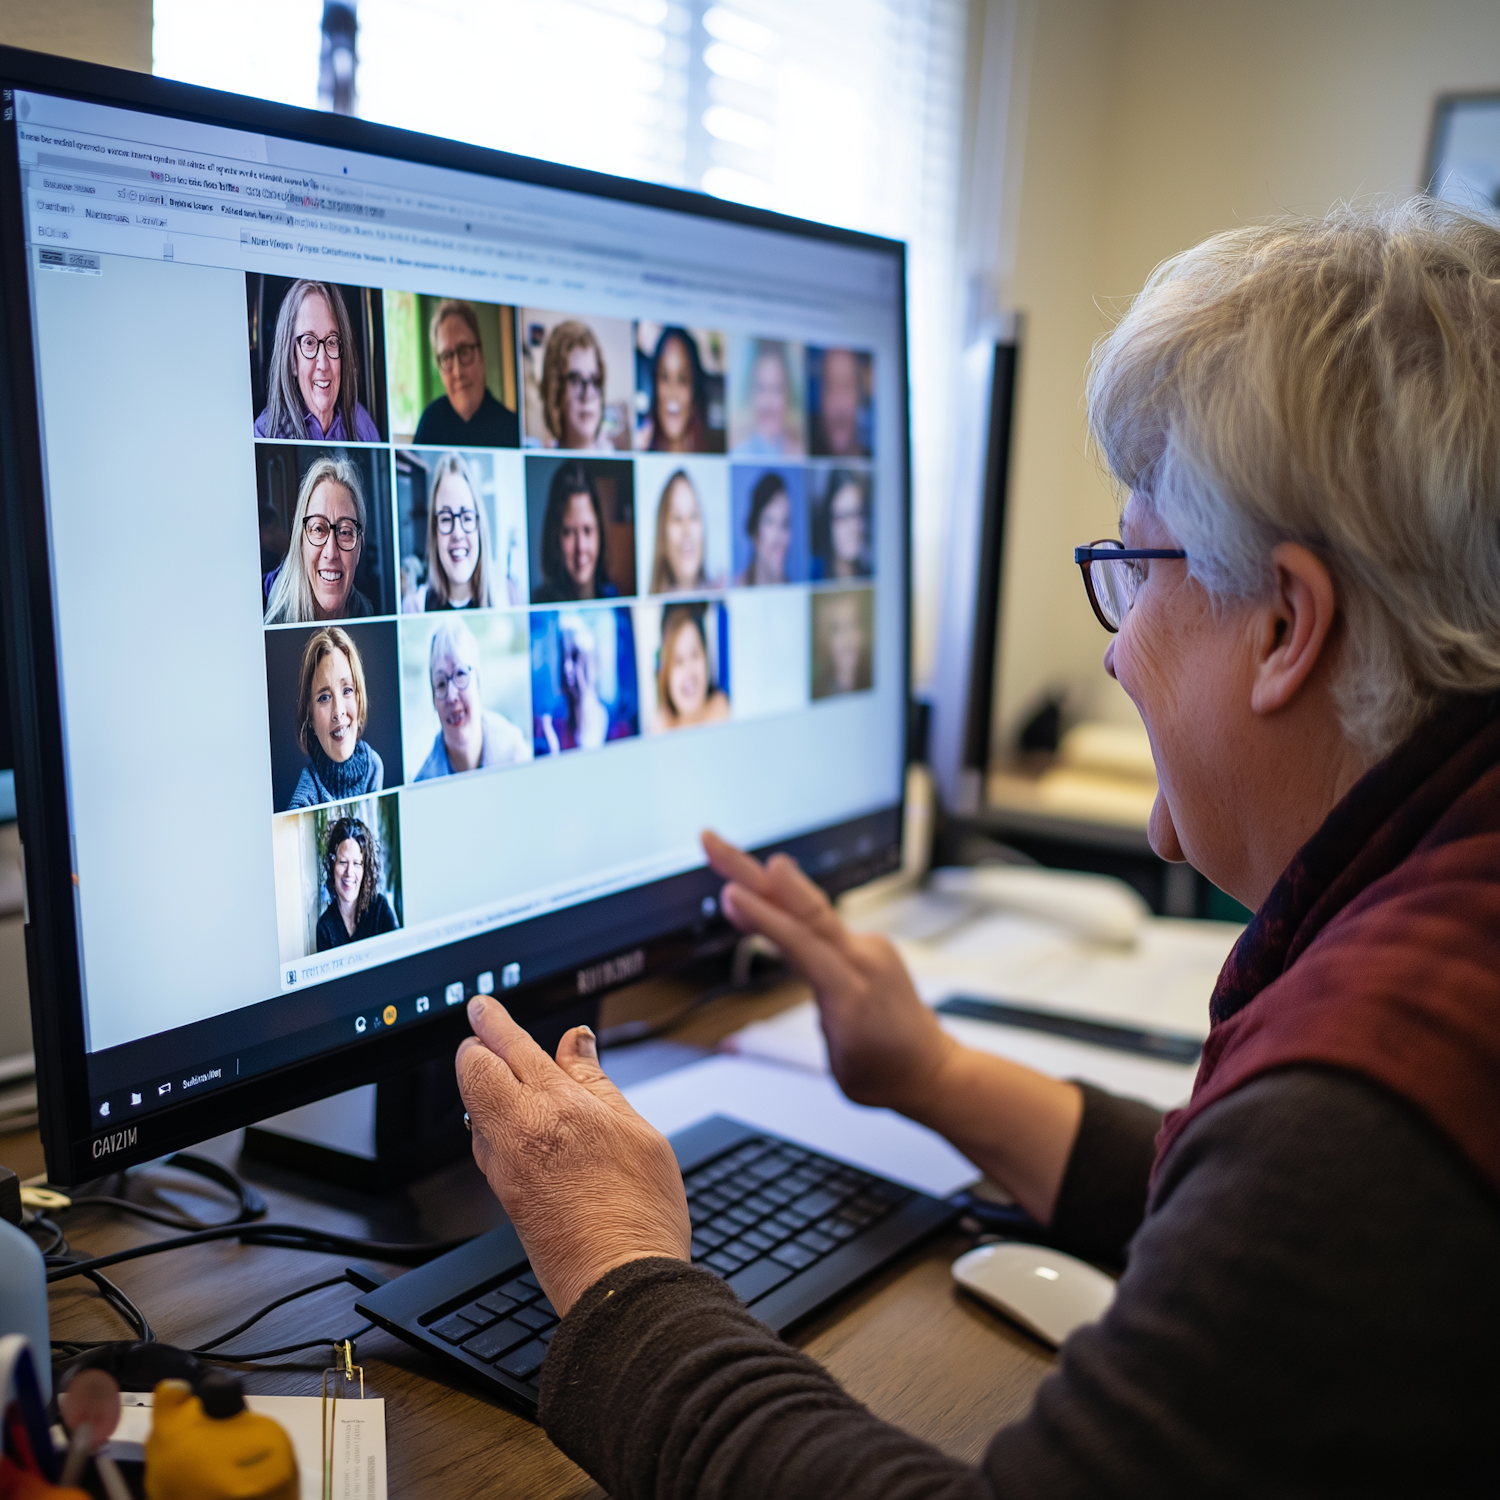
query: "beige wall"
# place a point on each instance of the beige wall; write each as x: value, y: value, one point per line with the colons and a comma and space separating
x: 117, y: 32
x: 1152, y: 123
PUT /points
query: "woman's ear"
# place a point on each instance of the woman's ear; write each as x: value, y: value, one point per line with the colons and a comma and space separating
x: 1293, y: 633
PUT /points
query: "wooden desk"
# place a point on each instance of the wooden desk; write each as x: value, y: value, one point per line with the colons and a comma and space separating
x: 906, y: 1344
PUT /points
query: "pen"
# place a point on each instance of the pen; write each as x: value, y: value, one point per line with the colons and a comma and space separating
x: 1145, y: 1041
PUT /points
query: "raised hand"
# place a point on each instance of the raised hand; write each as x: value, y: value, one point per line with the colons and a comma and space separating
x: 885, y: 1047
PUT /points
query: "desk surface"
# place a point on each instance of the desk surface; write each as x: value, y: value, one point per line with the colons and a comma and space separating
x: 906, y: 1344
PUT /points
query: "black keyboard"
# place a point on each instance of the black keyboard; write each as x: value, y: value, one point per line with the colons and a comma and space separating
x: 787, y: 1229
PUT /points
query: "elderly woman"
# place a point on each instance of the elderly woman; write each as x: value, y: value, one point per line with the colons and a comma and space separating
x: 466, y: 414
x: 331, y: 713
x: 314, y: 371
x: 1306, y: 416
x: 357, y: 908
x: 471, y: 737
x: 315, y: 581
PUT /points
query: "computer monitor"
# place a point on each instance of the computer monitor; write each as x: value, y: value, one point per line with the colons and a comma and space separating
x: 409, y: 548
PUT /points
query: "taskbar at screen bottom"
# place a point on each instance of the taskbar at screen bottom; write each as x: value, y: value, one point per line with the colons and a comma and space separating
x: 534, y: 967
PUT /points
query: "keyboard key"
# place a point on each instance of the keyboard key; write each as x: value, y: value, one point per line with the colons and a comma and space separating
x: 815, y: 1205
x: 546, y: 1334
x: 480, y: 1317
x: 546, y: 1306
x: 744, y: 1217
x: 758, y: 1279
x: 794, y: 1255
x: 522, y: 1289
x: 741, y: 1251
x: 494, y: 1342
x: 770, y: 1166
x: 776, y: 1193
x: 715, y: 1201
x: 534, y: 1317
x: 455, y: 1328
x: 699, y: 1248
x: 792, y: 1219
x: 726, y: 1226
x: 725, y: 1265
x: 497, y: 1303
x: 759, y: 1204
x: 820, y: 1244
x: 529, y: 1277
x: 710, y: 1236
x: 840, y: 1229
x: 744, y: 1182
x: 524, y: 1362
x: 758, y: 1239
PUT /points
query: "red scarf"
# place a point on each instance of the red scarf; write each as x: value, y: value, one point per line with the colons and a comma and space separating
x: 1378, y: 950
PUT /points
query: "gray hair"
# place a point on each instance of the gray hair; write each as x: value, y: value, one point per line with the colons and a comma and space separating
x: 454, y: 637
x: 1333, y: 382
x: 285, y: 408
x: 291, y: 598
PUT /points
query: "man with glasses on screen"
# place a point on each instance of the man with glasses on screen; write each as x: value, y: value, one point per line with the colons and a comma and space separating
x: 467, y: 415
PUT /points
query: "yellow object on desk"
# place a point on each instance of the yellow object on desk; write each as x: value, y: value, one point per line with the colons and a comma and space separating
x: 193, y: 1454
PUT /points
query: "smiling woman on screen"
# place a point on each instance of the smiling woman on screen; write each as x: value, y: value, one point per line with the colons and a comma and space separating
x: 1305, y: 607
x: 471, y: 737
x: 331, y: 713
x: 315, y: 581
x: 314, y: 371
x: 459, y: 560
x: 357, y: 908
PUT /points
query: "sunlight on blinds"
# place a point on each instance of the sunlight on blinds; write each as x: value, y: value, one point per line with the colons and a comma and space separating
x: 847, y: 111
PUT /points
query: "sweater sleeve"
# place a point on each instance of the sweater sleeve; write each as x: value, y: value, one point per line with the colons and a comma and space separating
x: 1278, y: 1299
x: 1102, y: 1199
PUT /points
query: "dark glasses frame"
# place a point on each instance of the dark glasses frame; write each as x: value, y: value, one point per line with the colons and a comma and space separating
x: 1106, y: 550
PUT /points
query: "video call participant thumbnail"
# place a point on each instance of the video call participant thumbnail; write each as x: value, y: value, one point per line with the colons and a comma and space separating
x: 843, y: 540
x: 333, y: 703
x: 689, y: 690
x: 770, y: 527
x: 766, y: 417
x: 841, y: 403
x: 325, y: 546
x: 579, y: 382
x: 467, y: 414
x: 471, y: 737
x: 679, y: 390
x: 583, y: 686
x: 581, y: 514
x: 331, y: 718
x: 680, y: 552
x: 357, y: 908
x: 311, y: 375
x: 460, y: 557
x: 843, y: 637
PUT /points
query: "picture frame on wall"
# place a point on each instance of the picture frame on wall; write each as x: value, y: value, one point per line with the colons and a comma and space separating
x: 1463, y: 153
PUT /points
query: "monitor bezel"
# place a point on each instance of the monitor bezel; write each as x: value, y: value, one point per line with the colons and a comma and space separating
x: 75, y: 1154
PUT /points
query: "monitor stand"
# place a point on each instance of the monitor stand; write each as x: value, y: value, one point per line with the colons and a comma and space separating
x: 388, y: 1134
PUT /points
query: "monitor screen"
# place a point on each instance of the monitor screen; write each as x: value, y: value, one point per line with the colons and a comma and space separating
x: 431, y: 552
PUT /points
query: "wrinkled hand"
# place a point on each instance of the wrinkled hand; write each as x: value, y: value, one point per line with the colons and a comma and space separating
x: 885, y: 1047
x: 588, y: 1184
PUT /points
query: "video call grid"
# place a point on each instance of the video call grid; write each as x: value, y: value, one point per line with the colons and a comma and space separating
x: 574, y: 665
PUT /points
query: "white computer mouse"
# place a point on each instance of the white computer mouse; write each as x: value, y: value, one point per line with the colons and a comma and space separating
x: 1046, y: 1292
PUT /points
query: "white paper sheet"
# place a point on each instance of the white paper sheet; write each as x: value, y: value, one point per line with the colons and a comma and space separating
x: 358, y: 1448
x: 808, y: 1108
x: 793, y: 1039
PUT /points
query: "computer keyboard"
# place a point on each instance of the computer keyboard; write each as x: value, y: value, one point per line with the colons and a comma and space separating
x: 786, y: 1228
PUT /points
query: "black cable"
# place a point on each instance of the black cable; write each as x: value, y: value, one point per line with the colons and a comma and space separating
x: 59, y: 1245
x: 285, y: 1236
x: 251, y: 1205
x: 245, y: 1359
x: 124, y: 1306
x: 270, y: 1307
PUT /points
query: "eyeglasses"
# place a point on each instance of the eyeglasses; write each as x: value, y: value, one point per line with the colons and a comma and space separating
x: 459, y: 682
x: 465, y: 354
x: 317, y: 529
x: 1112, y: 577
x: 466, y: 518
x: 309, y: 344
x: 579, y: 384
